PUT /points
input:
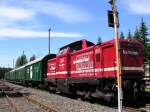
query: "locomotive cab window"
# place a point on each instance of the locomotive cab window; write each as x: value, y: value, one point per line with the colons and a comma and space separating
x: 89, y: 44
x: 76, y: 46
x: 62, y: 51
x: 97, y: 57
x: 73, y: 47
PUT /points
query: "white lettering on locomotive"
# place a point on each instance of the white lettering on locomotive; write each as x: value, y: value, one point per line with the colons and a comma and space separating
x: 83, y: 61
x: 84, y: 65
x: 62, y: 62
x: 81, y: 58
x: 130, y: 52
x: 52, y: 67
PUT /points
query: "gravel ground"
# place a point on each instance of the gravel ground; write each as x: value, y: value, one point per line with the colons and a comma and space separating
x: 64, y: 104
x: 26, y: 106
x: 4, y: 106
x: 55, y: 101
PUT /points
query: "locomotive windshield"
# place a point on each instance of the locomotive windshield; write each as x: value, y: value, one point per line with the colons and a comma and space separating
x: 76, y: 46
x: 89, y: 44
x: 62, y: 51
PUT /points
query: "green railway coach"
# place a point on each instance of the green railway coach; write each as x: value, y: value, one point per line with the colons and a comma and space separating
x: 36, y: 70
x: 20, y: 74
x: 33, y: 72
x: 10, y: 75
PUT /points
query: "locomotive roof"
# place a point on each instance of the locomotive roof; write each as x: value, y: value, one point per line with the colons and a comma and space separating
x: 73, y: 43
x: 123, y: 41
x: 132, y: 41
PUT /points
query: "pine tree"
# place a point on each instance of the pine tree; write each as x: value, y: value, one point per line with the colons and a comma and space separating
x: 144, y: 38
x: 99, y: 41
x: 137, y: 35
x: 18, y: 62
x: 33, y: 57
x: 122, y: 35
x: 129, y: 37
x: 21, y: 60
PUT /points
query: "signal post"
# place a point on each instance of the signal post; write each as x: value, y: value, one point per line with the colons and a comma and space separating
x: 113, y: 22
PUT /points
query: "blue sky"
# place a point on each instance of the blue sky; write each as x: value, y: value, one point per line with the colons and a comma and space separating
x: 24, y: 24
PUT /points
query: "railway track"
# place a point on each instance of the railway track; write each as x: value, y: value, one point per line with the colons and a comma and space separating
x: 125, y: 109
x: 8, y: 102
x: 43, y: 106
x: 130, y: 109
x: 147, y: 105
x: 13, y: 105
x: 143, y: 109
x: 21, y: 102
x: 37, y: 96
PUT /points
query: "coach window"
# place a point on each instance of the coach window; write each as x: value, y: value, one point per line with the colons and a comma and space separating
x: 98, y: 57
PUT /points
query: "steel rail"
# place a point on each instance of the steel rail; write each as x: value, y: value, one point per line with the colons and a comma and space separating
x: 147, y: 106
x: 3, y: 88
x: 43, y: 106
x: 130, y: 109
x: 12, y: 104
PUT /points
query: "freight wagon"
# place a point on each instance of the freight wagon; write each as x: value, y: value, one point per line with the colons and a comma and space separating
x: 88, y: 70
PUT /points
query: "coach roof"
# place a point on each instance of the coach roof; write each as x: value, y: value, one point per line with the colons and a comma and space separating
x: 34, y: 61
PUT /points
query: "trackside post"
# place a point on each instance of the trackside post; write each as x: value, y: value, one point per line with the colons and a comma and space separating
x: 118, y: 62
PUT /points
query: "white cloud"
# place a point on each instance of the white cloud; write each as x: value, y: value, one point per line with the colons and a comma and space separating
x: 138, y: 6
x: 29, y: 8
x: 19, y: 33
x: 13, y: 13
x: 65, y: 12
x: 22, y: 19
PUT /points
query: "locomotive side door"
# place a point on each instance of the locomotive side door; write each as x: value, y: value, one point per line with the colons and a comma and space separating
x: 98, y: 61
x: 63, y: 70
x: 63, y: 64
x: 109, y: 66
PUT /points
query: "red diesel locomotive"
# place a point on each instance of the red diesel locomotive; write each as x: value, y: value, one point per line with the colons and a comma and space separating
x: 82, y: 68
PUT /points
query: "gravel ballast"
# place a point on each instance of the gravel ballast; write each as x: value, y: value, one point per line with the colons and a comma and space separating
x: 61, y: 103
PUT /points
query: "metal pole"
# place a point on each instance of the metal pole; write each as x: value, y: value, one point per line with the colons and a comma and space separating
x: 117, y: 58
x: 49, y: 30
x: 13, y: 63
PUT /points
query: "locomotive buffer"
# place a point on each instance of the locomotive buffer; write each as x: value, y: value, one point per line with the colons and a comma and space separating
x: 113, y: 22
